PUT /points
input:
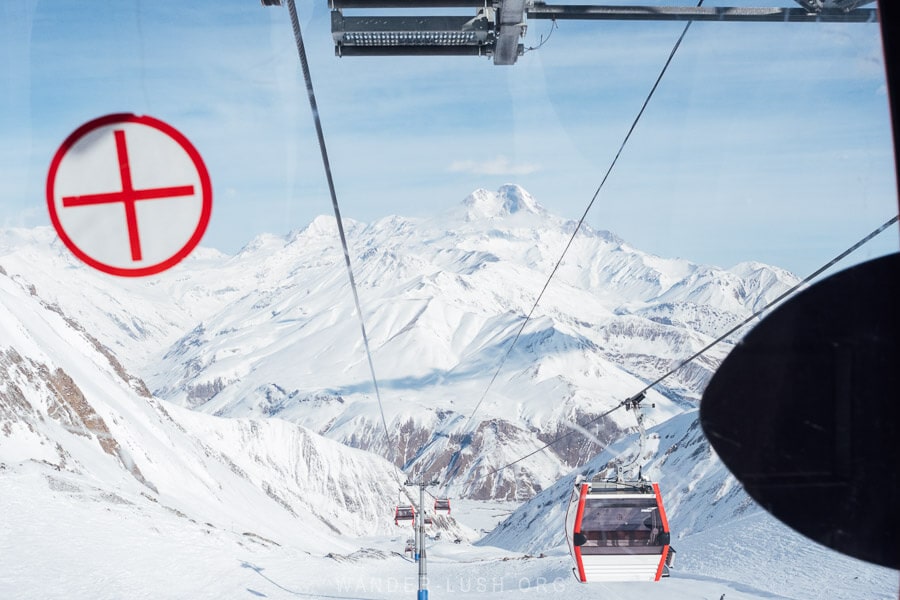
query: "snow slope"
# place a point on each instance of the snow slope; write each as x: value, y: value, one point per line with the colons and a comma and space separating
x: 60, y: 548
x: 74, y: 419
x: 108, y: 492
x: 719, y: 533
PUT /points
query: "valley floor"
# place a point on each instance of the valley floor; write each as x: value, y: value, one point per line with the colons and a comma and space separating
x: 84, y: 545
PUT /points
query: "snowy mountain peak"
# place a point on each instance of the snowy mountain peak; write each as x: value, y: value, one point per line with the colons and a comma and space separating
x: 263, y: 242
x: 510, y: 199
x: 323, y: 225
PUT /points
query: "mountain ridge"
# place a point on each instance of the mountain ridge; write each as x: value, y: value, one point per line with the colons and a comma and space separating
x: 271, y: 331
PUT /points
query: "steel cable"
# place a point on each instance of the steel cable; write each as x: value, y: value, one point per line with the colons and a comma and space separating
x: 301, y: 50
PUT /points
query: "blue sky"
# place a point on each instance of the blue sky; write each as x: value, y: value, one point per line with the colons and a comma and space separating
x: 766, y: 142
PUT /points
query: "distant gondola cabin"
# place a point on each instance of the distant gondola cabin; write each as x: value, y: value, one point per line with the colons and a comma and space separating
x: 404, y: 513
x: 442, y: 506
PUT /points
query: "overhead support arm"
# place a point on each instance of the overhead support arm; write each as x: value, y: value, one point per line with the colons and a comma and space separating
x: 541, y: 10
x: 499, y: 25
x: 817, y: 5
x: 341, y: 4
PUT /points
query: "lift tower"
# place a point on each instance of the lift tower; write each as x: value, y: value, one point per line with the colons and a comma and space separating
x: 420, y: 537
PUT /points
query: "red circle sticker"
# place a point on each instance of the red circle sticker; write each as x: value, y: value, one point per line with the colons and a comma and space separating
x: 129, y: 195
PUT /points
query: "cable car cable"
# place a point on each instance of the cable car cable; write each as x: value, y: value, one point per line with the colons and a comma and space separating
x: 578, y: 226
x: 583, y: 216
x: 719, y: 339
x: 301, y: 50
x: 784, y: 295
x: 551, y: 442
x: 544, y: 40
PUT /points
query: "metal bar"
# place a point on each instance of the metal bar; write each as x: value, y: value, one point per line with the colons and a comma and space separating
x: 340, y: 4
x: 341, y: 50
x: 817, y: 5
x: 420, y: 32
x: 541, y: 10
x: 341, y: 24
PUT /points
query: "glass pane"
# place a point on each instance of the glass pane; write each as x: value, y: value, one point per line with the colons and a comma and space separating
x: 229, y: 401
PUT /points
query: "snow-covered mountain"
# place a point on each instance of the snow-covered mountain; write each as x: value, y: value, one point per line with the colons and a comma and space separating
x: 78, y: 427
x: 272, y: 332
x: 204, y: 432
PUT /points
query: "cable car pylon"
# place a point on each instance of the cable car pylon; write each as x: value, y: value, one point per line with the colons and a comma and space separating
x: 420, y: 536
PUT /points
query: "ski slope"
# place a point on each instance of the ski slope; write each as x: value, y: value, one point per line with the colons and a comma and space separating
x: 62, y: 543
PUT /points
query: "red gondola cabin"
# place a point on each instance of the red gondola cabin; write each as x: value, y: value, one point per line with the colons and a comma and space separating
x: 404, y: 513
x: 617, y: 531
